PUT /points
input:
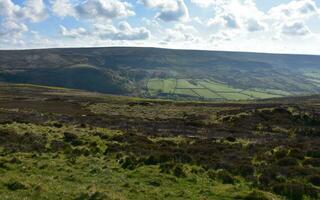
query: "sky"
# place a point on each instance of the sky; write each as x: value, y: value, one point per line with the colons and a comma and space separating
x: 276, y: 26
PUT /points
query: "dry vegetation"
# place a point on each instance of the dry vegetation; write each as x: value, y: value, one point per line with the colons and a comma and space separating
x: 68, y: 144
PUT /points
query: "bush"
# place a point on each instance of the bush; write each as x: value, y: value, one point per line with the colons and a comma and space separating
x: 166, y: 167
x: 295, y: 191
x: 129, y: 162
x: 171, y: 168
x: 151, y: 160
x: 15, y: 185
x: 245, y: 170
x: 315, y: 162
x: 57, y: 145
x: 297, y: 153
x: 314, y: 154
x: 231, y: 139
x: 315, y: 180
x: 72, y: 139
x: 225, y: 176
x: 179, y: 172
x: 255, y: 195
x: 93, y: 196
x: 288, y: 161
x: 280, y: 153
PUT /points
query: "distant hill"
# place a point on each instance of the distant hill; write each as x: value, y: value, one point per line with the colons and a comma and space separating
x: 165, y: 73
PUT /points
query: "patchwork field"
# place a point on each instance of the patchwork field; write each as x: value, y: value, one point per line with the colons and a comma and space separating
x: 207, y: 90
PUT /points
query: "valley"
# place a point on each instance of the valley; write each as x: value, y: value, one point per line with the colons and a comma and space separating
x: 165, y: 73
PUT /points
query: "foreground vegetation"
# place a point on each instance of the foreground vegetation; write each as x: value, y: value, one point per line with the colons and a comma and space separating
x: 57, y: 143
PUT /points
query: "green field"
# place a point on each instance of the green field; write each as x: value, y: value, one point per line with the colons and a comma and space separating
x: 207, y: 89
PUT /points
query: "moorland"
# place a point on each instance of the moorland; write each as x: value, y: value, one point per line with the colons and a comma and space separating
x: 58, y: 143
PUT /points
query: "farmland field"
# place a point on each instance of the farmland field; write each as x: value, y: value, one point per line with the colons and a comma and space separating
x: 207, y: 89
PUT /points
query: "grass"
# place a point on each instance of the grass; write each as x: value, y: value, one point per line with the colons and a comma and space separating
x: 53, y: 176
x: 151, y: 149
x: 188, y: 92
x: 259, y: 95
x: 183, y: 83
x: 235, y: 96
x: 207, y: 94
x: 207, y: 89
x: 218, y: 87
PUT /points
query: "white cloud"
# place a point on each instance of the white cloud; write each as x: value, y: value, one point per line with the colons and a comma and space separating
x: 63, y: 8
x: 169, y: 10
x: 181, y: 33
x: 124, y: 32
x: 12, y: 29
x: 73, y: 33
x: 297, y: 9
x: 297, y: 28
x: 33, y: 10
x: 104, y: 9
x: 222, y: 36
x: 228, y: 20
x: 290, y: 19
x: 93, y: 9
x: 237, y: 14
x: 254, y: 25
x: 14, y: 18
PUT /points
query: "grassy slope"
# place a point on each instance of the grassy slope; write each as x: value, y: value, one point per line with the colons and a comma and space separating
x: 57, y: 143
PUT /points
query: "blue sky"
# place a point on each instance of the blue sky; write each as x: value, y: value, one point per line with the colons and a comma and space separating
x: 284, y: 26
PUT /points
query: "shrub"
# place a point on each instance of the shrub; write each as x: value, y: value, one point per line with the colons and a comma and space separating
x: 128, y: 162
x: 171, y: 168
x: 314, y: 154
x: 315, y: 162
x: 72, y: 139
x: 315, y: 180
x: 179, y: 172
x: 245, y: 170
x: 225, y: 176
x: 295, y: 191
x: 231, y: 139
x: 15, y: 185
x: 151, y: 160
x: 166, y: 167
x: 93, y: 196
x: 255, y: 195
x: 57, y: 145
x: 280, y: 153
x: 288, y: 161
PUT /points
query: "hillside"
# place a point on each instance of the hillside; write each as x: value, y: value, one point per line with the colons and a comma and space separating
x: 58, y: 143
x: 165, y: 73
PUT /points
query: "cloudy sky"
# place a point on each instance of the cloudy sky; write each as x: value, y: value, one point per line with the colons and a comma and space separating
x: 291, y: 26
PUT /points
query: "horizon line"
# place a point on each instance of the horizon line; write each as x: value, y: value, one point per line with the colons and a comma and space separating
x: 156, y: 47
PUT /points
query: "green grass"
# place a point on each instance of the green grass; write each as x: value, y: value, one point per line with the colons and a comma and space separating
x: 56, y: 176
x: 235, y: 96
x: 168, y: 85
x: 155, y: 86
x: 260, y: 95
x: 207, y: 94
x: 218, y: 87
x: 207, y: 89
x: 183, y: 83
x: 188, y: 92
